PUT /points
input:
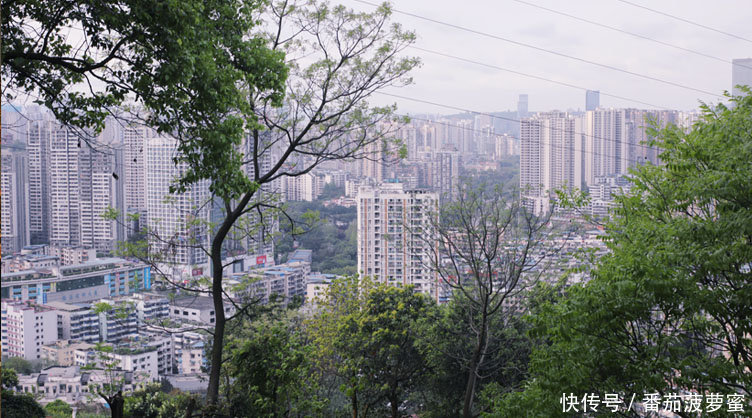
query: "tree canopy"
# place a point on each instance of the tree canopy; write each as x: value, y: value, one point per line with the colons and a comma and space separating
x: 669, y: 309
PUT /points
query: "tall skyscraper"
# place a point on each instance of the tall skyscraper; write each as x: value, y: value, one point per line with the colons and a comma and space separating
x: 551, y: 153
x: 134, y: 156
x: 592, y: 99
x: 617, y: 139
x: 65, y: 211
x: 98, y: 192
x: 372, y: 166
x: 445, y: 174
x: 81, y: 190
x: 522, y: 106
x: 14, y: 216
x: 392, y: 244
x: 38, y: 143
x: 741, y: 74
x: 174, y: 220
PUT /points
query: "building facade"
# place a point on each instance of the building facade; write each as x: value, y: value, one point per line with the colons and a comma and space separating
x: 392, y: 245
x: 26, y: 328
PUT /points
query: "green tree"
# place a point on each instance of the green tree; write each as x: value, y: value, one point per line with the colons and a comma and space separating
x: 193, y: 64
x: 270, y: 369
x: 366, y: 336
x: 445, y: 342
x: 668, y: 310
x: 9, y: 377
x: 337, y: 60
x: 489, y: 251
x: 17, y: 405
x: 331, y: 191
x: 180, y: 59
x: 58, y: 409
x: 21, y: 405
x: 152, y: 402
x: 19, y: 364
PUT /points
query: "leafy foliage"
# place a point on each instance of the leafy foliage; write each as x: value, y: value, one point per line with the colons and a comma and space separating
x: 9, y: 377
x: 270, y: 370
x: 152, y: 402
x: 668, y: 310
x: 333, y: 238
x: 20, y: 405
x: 366, y: 335
x: 58, y: 409
x: 447, y: 340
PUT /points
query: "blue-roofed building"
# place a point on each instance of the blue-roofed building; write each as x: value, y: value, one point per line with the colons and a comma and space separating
x: 93, y: 280
x: 300, y: 255
x: 285, y: 280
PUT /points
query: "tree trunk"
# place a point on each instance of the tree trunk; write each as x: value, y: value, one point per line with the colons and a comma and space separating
x: 395, y: 406
x: 472, y: 374
x: 116, y: 403
x: 354, y: 400
x: 212, y: 394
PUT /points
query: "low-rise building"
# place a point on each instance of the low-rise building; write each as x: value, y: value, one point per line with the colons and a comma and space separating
x: 118, y: 322
x: 188, y: 345
x: 73, y: 385
x: 317, y: 286
x: 26, y: 327
x: 197, y: 309
x: 285, y: 280
x: 151, y: 356
x: 62, y: 352
x: 76, y: 322
x: 95, y: 279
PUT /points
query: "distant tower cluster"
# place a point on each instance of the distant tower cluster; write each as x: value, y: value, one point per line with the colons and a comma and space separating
x: 56, y: 187
x: 522, y: 110
x: 741, y: 74
x: 559, y: 150
x: 592, y: 99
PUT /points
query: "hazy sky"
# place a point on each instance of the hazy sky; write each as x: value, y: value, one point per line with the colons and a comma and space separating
x: 466, y: 85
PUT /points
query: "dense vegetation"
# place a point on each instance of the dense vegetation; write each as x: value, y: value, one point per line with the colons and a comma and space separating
x: 332, y: 236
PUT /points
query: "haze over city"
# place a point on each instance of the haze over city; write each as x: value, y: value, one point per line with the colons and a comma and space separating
x: 294, y: 208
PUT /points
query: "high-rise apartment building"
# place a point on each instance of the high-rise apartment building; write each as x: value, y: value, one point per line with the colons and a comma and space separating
x: 617, y: 139
x: 174, y: 219
x: 592, y: 99
x: 14, y: 216
x: 551, y: 153
x: 445, y: 174
x: 372, y: 166
x: 81, y: 188
x: 65, y: 208
x: 741, y: 74
x: 98, y: 192
x: 134, y: 156
x: 306, y: 187
x: 38, y: 143
x: 392, y: 236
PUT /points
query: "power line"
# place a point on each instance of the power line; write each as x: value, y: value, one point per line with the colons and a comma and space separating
x: 562, y: 83
x: 637, y: 35
x: 685, y: 20
x: 646, y: 147
x: 549, y: 51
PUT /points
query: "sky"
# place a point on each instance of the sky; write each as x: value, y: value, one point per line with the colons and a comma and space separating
x: 448, y: 81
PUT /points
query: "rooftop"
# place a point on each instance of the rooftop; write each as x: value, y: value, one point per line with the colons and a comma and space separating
x: 194, y: 302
